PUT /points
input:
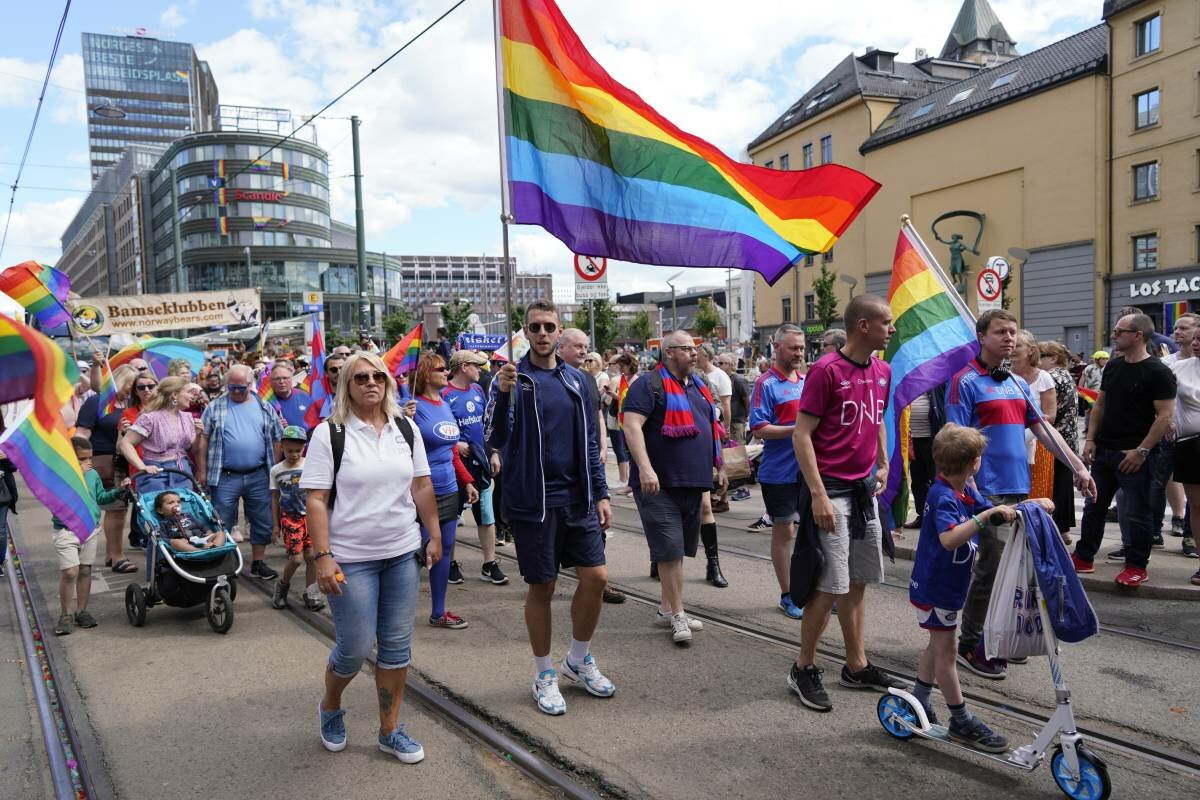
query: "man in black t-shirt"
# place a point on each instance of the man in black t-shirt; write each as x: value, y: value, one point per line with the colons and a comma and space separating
x: 739, y: 401
x: 1132, y: 413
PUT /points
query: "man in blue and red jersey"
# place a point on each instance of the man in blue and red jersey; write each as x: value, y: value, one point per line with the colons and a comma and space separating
x: 773, y: 409
x: 985, y: 395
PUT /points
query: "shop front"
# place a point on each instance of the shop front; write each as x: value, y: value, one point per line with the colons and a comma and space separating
x: 1162, y: 295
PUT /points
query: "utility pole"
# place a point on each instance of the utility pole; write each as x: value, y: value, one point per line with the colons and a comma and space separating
x: 385, y: 290
x: 364, y: 308
x: 592, y: 320
x: 180, y: 273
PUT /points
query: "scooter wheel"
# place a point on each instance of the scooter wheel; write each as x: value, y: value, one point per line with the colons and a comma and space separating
x: 1093, y: 783
x: 891, y: 706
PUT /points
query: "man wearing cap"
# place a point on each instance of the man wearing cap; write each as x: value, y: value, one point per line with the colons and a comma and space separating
x: 467, y: 402
x: 289, y: 512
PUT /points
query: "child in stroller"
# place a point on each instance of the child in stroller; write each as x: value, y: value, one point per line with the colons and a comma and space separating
x: 183, y: 531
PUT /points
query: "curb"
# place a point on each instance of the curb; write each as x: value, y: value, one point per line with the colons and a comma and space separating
x: 1104, y: 583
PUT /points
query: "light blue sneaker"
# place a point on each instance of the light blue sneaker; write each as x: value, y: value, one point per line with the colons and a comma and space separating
x: 402, y: 746
x: 545, y: 691
x: 791, y: 609
x: 589, y: 675
x: 333, y: 729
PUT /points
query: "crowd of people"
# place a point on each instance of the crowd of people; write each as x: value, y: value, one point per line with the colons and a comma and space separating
x: 372, y: 493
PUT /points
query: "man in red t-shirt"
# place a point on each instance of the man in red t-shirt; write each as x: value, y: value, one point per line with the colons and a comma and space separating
x: 840, y: 446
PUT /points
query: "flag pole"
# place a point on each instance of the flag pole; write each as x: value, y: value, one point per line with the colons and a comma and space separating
x: 964, y: 311
x: 505, y: 197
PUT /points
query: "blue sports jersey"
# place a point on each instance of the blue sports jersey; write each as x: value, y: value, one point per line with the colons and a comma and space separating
x: 467, y: 405
x: 1002, y: 411
x: 776, y: 401
x: 940, y: 577
x: 293, y: 408
x: 439, y: 432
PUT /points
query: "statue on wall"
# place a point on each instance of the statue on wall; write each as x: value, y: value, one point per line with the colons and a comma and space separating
x: 958, y: 265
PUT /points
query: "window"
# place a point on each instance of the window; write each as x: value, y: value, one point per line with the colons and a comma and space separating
x: 787, y: 309
x: 1145, y: 181
x: 1145, y: 251
x: 1198, y: 243
x: 827, y: 256
x: 1149, y: 35
x: 809, y: 260
x: 785, y: 162
x: 1146, y: 104
x: 887, y: 123
x: 807, y: 154
x: 826, y: 149
x: 770, y: 164
x: 963, y: 95
x: 922, y: 111
x: 810, y: 306
x: 1004, y: 80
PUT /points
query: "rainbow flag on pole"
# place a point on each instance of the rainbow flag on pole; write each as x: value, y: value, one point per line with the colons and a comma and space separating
x: 592, y: 163
x: 41, y: 289
x: 1171, y: 314
x: 32, y: 366
x: 407, y: 352
x: 935, y: 338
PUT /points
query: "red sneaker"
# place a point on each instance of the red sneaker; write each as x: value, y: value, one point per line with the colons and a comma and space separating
x: 1080, y: 565
x: 1132, y: 577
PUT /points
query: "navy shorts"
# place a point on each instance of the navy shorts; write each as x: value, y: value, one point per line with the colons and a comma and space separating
x: 782, y: 500
x: 569, y: 537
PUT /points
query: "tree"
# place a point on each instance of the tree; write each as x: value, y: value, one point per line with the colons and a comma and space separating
x: 1005, y: 294
x: 396, y: 324
x: 826, y: 296
x: 455, y: 318
x: 640, y: 327
x: 707, y: 318
x: 606, y: 323
x: 517, y: 320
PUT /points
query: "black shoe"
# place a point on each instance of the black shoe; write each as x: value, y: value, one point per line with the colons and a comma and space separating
x: 492, y: 574
x: 613, y: 596
x: 713, y: 574
x: 259, y: 569
x: 500, y: 541
x: 976, y: 734
x: 654, y: 570
x: 1158, y: 540
x: 455, y: 574
x: 807, y: 684
x: 280, y: 598
x: 1178, y: 525
x: 1117, y: 555
x: 869, y: 678
x: 1, y: 569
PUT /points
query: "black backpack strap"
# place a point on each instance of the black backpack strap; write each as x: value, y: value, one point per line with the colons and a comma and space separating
x: 406, y: 431
x: 337, y: 443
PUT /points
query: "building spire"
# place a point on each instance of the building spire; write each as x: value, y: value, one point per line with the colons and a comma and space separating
x: 979, y: 36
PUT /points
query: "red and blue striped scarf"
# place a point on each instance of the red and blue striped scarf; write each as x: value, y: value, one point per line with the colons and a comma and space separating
x: 678, y: 420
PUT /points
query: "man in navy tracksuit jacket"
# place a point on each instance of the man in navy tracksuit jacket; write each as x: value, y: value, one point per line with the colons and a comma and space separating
x: 541, y: 419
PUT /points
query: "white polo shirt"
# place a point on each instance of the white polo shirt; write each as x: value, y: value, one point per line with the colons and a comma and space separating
x: 374, y: 517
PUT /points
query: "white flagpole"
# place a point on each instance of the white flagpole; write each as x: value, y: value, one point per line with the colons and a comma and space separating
x: 505, y: 196
x: 915, y: 238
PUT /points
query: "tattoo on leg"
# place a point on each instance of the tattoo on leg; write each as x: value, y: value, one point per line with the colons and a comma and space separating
x: 386, y: 699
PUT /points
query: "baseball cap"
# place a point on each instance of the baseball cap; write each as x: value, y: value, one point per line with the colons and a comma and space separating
x: 460, y: 357
x: 295, y: 433
x: 1100, y: 354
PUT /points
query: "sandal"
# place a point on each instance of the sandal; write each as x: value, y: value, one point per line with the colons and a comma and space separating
x: 124, y: 566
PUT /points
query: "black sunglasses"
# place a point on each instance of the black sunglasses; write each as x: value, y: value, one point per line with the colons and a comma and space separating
x: 142, y: 386
x: 363, y: 378
x: 538, y: 327
x: 333, y: 370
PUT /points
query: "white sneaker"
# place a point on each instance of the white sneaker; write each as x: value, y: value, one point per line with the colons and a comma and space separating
x: 668, y: 621
x: 545, y: 691
x: 681, y: 632
x: 589, y: 675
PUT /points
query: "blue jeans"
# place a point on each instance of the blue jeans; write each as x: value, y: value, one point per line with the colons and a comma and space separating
x: 376, y: 607
x: 254, y: 490
x: 3, y: 534
x: 1133, y: 513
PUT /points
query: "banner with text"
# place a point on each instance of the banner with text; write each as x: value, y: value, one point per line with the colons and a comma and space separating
x: 147, y: 313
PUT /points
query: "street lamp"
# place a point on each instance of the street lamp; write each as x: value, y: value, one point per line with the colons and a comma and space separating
x: 107, y: 110
x: 850, y: 279
x: 668, y: 282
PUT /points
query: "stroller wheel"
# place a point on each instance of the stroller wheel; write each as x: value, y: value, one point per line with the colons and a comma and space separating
x: 135, y: 605
x: 220, y: 610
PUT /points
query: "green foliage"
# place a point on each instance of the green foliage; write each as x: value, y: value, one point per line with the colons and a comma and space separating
x: 707, y: 318
x: 517, y: 320
x: 825, y: 296
x: 396, y: 324
x: 454, y: 318
x: 640, y: 327
x: 606, y: 323
x: 1005, y: 294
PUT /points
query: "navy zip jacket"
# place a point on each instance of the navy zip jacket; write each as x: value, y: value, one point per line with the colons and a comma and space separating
x: 513, y: 425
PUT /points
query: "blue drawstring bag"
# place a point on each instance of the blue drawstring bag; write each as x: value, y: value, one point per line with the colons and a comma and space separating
x: 1071, y: 613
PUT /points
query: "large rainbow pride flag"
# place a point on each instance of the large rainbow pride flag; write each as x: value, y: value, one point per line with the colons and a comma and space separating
x: 934, y: 339
x: 405, y: 354
x: 41, y: 289
x: 32, y: 366
x: 595, y: 165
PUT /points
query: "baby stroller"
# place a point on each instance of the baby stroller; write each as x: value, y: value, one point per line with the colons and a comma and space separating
x: 184, y: 579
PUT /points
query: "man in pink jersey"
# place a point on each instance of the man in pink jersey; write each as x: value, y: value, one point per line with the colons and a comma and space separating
x: 840, y: 447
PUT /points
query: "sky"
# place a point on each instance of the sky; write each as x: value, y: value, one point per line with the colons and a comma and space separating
x: 722, y: 71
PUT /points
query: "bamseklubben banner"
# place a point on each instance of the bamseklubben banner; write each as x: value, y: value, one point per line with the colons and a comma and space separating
x: 147, y: 313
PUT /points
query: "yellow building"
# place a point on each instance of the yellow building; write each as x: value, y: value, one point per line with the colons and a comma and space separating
x: 1031, y: 142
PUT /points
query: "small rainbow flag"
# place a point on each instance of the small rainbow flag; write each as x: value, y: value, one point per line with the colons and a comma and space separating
x: 1089, y: 395
x: 38, y: 443
x: 622, y: 390
x: 264, y: 387
x: 41, y: 289
x: 934, y: 339
x: 315, y: 382
x: 260, y: 165
x: 595, y: 165
x: 283, y: 169
x: 1172, y: 312
x: 404, y: 356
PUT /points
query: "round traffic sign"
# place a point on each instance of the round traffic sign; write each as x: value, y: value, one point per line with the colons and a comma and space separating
x: 999, y: 264
x: 590, y: 268
x: 988, y: 284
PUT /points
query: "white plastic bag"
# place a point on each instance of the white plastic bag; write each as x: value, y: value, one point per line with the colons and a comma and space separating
x: 1013, y: 627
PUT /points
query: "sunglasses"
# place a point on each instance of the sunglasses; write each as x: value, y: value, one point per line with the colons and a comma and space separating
x: 440, y: 369
x: 237, y: 387
x: 1123, y: 330
x: 363, y: 378
x: 141, y: 387
x: 538, y: 327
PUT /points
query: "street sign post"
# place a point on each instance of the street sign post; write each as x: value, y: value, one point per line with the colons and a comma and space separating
x: 999, y: 265
x: 591, y: 278
x: 989, y: 288
x: 312, y: 301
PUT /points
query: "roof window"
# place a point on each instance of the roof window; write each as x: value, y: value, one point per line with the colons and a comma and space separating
x: 1004, y: 80
x: 922, y: 111
x: 963, y: 95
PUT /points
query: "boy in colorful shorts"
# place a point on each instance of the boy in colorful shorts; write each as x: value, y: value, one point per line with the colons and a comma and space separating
x: 291, y: 522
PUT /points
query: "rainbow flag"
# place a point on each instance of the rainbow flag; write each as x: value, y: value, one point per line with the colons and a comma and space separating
x: 284, y: 171
x: 595, y: 165
x: 1089, y: 395
x: 38, y: 443
x: 41, y: 289
x: 622, y: 390
x: 1171, y: 314
x: 314, y: 380
x: 158, y: 353
x: 934, y: 339
x: 264, y: 387
x: 404, y: 356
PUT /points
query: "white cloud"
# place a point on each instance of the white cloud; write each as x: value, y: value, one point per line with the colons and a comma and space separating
x: 172, y: 18
x: 21, y: 81
x: 36, y: 228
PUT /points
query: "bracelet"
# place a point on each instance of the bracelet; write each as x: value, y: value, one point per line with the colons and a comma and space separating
x: 322, y: 554
x: 978, y: 522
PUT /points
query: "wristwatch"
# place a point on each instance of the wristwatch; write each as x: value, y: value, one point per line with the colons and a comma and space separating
x: 1143, y: 451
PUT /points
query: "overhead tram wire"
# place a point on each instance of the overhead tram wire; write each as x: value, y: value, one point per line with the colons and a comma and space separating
x: 12, y: 199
